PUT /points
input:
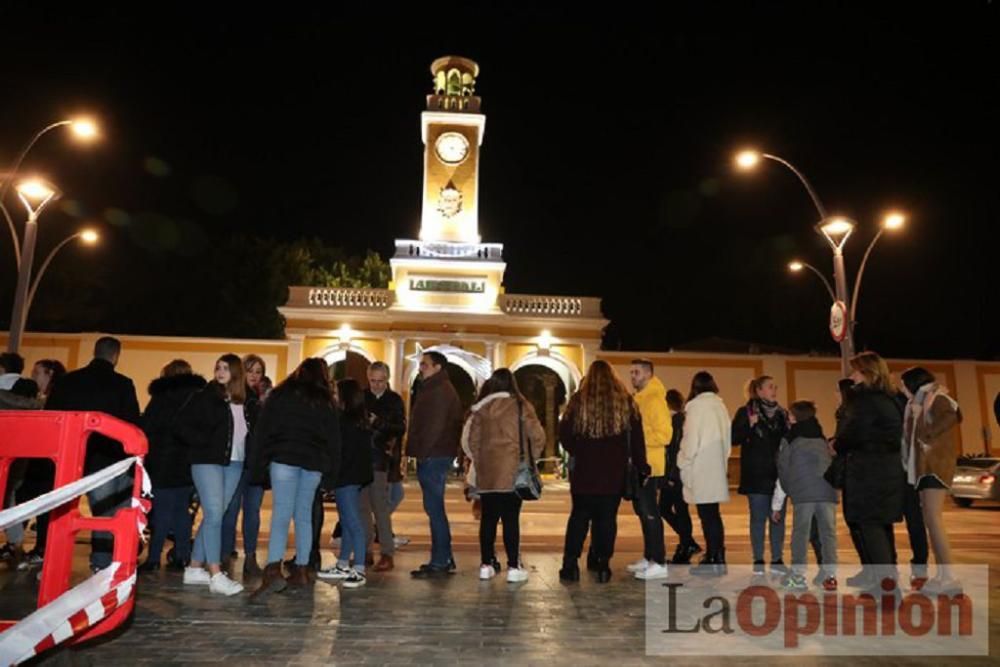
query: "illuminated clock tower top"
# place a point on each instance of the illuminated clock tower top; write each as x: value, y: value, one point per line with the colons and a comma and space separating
x: 452, y: 131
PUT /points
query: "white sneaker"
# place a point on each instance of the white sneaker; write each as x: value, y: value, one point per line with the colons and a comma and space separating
x: 197, y: 576
x: 516, y: 574
x: 400, y: 541
x: 223, y: 585
x: 334, y: 572
x: 486, y: 572
x: 355, y: 580
x: 654, y: 571
x: 637, y: 566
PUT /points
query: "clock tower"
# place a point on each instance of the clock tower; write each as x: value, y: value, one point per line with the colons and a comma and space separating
x: 448, y: 267
x: 452, y: 132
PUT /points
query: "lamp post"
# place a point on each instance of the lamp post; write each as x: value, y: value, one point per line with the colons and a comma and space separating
x: 83, y: 129
x: 87, y: 236
x: 836, y: 230
x: 35, y: 195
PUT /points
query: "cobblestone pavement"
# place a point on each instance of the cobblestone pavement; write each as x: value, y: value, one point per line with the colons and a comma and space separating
x: 395, y: 620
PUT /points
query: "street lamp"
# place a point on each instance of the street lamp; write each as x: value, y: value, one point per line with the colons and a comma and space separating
x: 87, y: 236
x: 797, y: 266
x: 893, y: 221
x: 82, y: 128
x: 836, y: 230
x: 35, y: 194
x: 750, y: 159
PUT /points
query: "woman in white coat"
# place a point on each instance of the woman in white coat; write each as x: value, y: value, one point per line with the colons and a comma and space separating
x: 703, y: 461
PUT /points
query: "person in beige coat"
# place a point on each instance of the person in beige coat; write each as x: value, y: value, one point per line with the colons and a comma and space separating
x: 703, y: 461
x: 499, y: 427
x: 929, y: 450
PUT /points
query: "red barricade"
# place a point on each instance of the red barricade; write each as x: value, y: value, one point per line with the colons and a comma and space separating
x: 62, y: 438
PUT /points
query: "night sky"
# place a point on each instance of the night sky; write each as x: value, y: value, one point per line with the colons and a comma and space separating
x: 607, y: 161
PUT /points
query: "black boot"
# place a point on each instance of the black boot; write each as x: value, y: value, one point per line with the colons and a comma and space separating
x: 592, y: 564
x: 570, y: 572
x: 603, y: 571
x: 684, y: 552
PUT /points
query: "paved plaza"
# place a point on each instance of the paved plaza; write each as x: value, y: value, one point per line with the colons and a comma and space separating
x: 395, y: 620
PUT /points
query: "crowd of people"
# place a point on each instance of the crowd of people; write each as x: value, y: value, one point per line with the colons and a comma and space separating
x: 220, y: 445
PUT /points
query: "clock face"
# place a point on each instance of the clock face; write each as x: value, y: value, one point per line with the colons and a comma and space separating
x: 451, y: 148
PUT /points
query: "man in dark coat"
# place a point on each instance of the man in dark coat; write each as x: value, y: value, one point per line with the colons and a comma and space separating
x: 433, y: 440
x: 97, y: 387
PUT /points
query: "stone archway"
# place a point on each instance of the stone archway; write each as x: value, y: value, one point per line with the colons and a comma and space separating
x: 467, y: 371
x: 547, y: 393
x: 351, y: 363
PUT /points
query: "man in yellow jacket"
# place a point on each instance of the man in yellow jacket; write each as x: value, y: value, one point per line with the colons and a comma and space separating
x: 651, y: 397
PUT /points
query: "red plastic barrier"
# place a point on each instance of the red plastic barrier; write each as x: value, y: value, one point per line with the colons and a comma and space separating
x: 62, y: 438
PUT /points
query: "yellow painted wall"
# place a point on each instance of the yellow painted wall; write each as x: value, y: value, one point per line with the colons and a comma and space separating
x: 515, y: 351
x: 973, y: 384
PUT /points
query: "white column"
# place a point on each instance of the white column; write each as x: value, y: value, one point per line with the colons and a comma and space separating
x: 294, y: 355
x: 397, y: 364
x: 500, y: 355
x: 491, y: 355
x: 589, y: 356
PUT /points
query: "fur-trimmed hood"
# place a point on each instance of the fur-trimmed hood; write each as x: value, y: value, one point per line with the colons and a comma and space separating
x: 186, y: 381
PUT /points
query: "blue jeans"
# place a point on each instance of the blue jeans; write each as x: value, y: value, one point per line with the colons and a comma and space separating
x: 396, y: 494
x: 170, y: 515
x: 432, y: 474
x: 760, y: 520
x: 353, y: 540
x: 292, y: 492
x: 216, y: 485
x: 249, y: 497
x: 106, y: 500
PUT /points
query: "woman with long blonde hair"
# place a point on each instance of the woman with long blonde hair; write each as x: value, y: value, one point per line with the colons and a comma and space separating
x: 601, y: 429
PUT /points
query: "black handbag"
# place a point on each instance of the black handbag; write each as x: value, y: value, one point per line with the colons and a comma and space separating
x: 836, y: 473
x: 527, y: 481
x: 632, y: 479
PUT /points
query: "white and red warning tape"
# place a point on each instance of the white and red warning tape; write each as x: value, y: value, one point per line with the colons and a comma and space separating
x: 89, y: 602
x: 70, y: 614
x: 53, y: 499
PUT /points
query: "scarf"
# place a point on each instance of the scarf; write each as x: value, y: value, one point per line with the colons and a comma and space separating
x: 772, y: 420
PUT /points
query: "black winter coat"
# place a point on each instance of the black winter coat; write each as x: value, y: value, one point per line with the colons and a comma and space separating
x: 168, y: 462
x: 674, y: 448
x: 355, y: 456
x: 97, y: 387
x: 870, y: 435
x: 296, y: 432
x: 759, y: 456
x: 389, y: 426
x: 205, y: 426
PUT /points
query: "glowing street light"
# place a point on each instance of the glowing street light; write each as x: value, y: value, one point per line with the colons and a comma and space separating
x: 84, y: 129
x: 894, y: 220
x: 747, y: 159
x: 836, y: 231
